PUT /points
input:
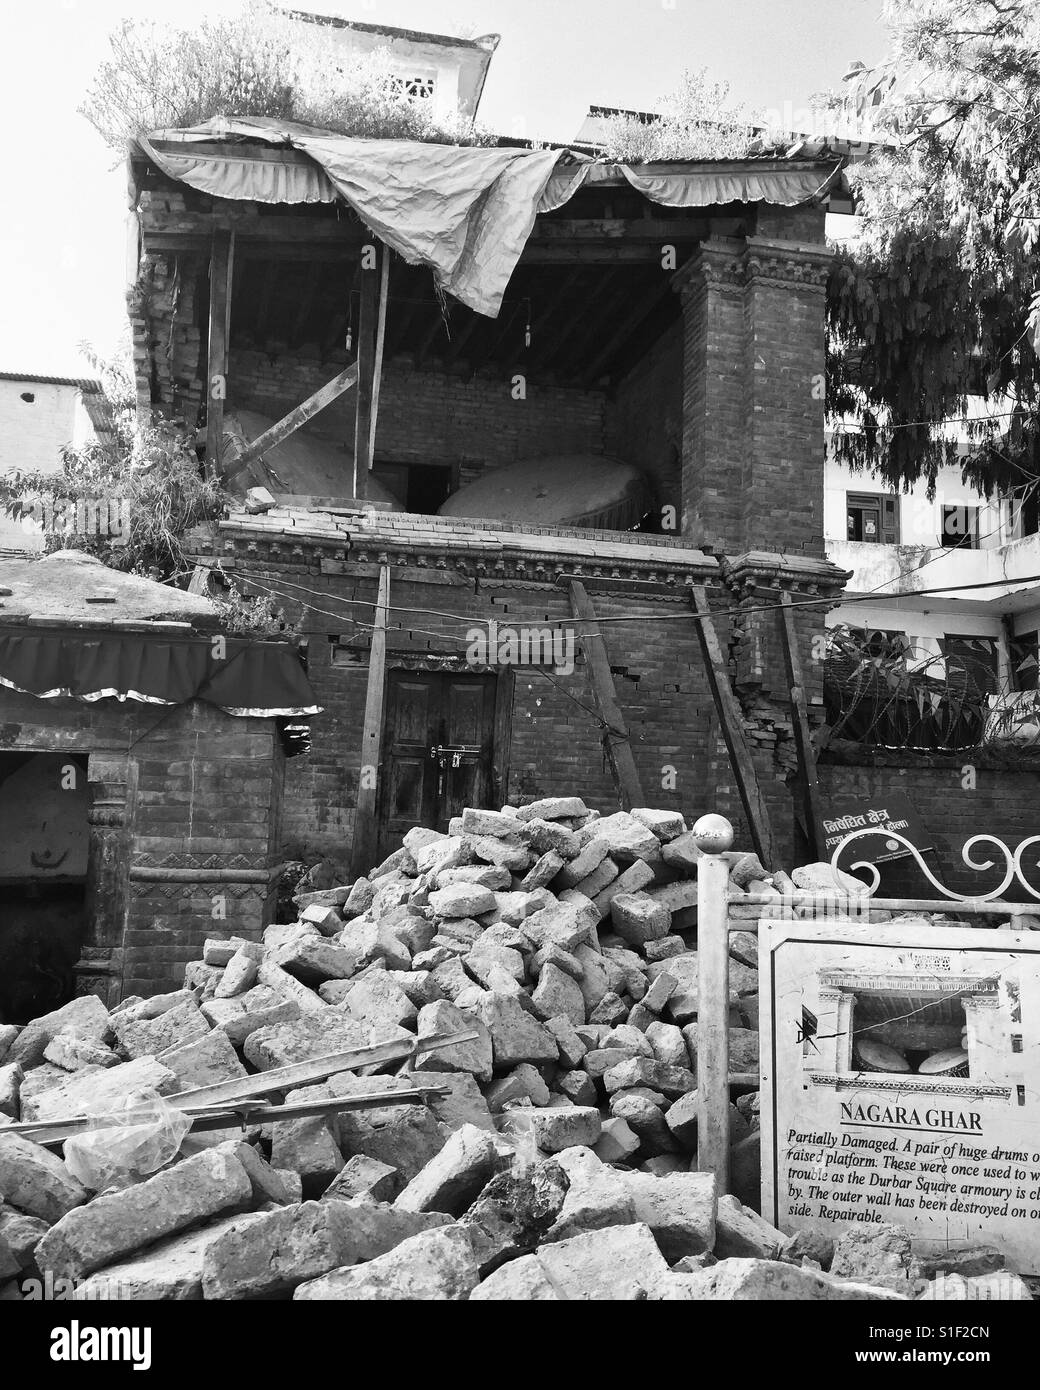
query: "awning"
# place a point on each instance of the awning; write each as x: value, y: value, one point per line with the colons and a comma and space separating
x: 466, y: 212
x: 244, y: 677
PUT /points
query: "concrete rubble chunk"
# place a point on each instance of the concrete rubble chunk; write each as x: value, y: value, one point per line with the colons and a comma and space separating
x: 520, y: 1281
x: 545, y: 835
x: 36, y: 1181
x: 514, y: 1212
x: 617, y: 1141
x: 271, y: 1256
x: 324, y: 916
x: 679, y: 1208
x: 203, y: 1061
x: 146, y: 1037
x: 170, y: 1271
x: 876, y: 1255
x: 22, y: 1234
x: 613, y: 1263
x: 474, y: 1057
x: 88, y: 1238
x: 310, y: 1036
x: 261, y: 1008
x: 362, y: 1176
x: 11, y: 1075
x: 672, y: 1082
x: 808, y: 1245
x: 487, y: 957
x: 589, y: 858
x: 462, y: 900
x: 667, y: 1043
x: 739, y: 1280
x: 97, y: 1092
x: 627, y: 839
x: 597, y: 1196
x: 523, y: 1083
x: 542, y: 871
x: 558, y: 1127
x: 85, y: 1017
x: 377, y: 999
x: 666, y: 825
x: 219, y: 950
x: 630, y: 880
x: 638, y: 918
x: 313, y: 959
x: 71, y: 1053
x: 435, y: 1266
x: 553, y: 808
x: 8, y: 1033
x: 239, y: 975
x: 954, y: 1288
x: 740, y: 1231
x: 571, y: 1046
x: 558, y: 995
x: 515, y: 1035
x: 452, y: 1180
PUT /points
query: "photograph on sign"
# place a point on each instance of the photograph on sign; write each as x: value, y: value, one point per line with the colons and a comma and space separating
x: 899, y: 1083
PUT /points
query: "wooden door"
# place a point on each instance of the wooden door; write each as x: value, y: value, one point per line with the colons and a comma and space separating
x: 438, y: 749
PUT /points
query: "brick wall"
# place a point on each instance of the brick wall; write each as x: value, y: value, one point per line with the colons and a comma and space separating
x: 430, y: 416
x: 1003, y: 803
x: 208, y: 796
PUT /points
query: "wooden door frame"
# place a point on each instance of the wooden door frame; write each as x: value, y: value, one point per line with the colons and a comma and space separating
x: 501, y: 720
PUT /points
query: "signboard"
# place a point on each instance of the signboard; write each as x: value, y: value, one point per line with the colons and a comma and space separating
x: 901, y: 1082
x: 840, y: 816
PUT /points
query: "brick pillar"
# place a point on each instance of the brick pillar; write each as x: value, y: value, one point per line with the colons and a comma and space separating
x: 784, y: 345
x: 711, y: 286
x: 753, y: 401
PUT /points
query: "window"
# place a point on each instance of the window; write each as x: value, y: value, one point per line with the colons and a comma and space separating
x: 972, y: 660
x: 416, y: 88
x: 872, y: 517
x: 1025, y: 652
x: 960, y: 528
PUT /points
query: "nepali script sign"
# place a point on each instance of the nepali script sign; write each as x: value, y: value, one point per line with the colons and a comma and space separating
x: 900, y: 1071
x: 842, y: 815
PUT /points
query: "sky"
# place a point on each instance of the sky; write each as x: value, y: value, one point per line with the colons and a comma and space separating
x: 63, y: 234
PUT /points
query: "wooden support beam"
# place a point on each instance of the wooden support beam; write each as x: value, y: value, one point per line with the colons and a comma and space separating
x: 366, y: 361
x: 366, y: 828
x: 290, y: 423
x: 216, y: 364
x: 732, y: 725
x: 615, y: 736
x: 377, y: 370
x: 810, y: 785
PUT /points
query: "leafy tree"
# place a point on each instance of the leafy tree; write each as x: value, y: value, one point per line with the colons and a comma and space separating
x: 259, y: 62
x: 937, y: 303
x: 148, y: 476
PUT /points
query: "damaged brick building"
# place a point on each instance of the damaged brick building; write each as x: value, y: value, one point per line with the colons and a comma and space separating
x: 612, y: 418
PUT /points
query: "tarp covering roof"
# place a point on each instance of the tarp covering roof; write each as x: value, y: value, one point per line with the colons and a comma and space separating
x: 264, y: 679
x: 70, y: 627
x: 465, y: 212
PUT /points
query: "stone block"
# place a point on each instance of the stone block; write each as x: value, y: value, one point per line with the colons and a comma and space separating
x: 115, y: 1223
x: 613, y: 1263
x: 436, y: 1266
x: 452, y: 1180
x: 474, y: 1057
x: 96, y: 1092
x: 35, y: 1180
x: 85, y: 1017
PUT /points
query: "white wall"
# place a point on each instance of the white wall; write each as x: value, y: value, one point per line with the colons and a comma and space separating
x: 32, y: 435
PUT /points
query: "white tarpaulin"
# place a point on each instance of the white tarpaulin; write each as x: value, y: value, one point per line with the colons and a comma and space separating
x: 466, y: 212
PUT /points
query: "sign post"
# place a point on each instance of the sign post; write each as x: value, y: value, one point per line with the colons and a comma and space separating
x: 713, y: 835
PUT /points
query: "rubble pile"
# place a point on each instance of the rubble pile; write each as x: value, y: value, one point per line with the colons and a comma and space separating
x: 558, y: 1161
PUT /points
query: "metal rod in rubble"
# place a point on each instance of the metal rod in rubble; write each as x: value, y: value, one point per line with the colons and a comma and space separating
x: 713, y: 835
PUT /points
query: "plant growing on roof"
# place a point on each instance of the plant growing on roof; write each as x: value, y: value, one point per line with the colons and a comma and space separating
x: 696, y: 121
x: 938, y: 302
x: 258, y: 62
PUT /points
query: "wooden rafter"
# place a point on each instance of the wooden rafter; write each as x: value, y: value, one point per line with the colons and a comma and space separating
x: 305, y: 411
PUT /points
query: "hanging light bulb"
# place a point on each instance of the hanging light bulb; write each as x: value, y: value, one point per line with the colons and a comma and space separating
x: 350, y: 336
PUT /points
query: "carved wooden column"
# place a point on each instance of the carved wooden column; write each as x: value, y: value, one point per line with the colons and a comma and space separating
x: 99, y: 970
